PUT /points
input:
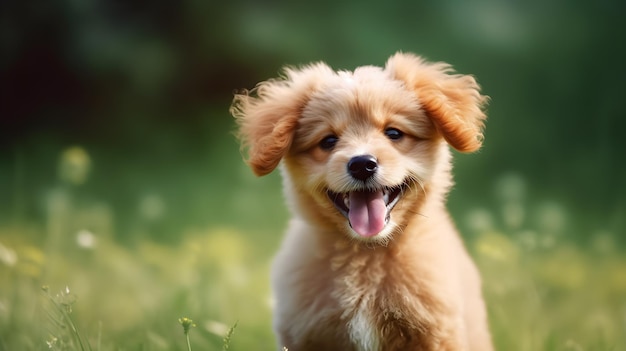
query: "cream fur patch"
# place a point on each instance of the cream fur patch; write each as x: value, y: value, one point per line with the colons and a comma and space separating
x: 363, y: 333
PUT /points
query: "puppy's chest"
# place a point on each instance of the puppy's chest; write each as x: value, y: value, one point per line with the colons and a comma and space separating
x: 375, y: 299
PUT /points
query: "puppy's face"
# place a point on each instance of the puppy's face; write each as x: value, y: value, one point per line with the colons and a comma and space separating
x: 361, y: 148
x: 363, y: 151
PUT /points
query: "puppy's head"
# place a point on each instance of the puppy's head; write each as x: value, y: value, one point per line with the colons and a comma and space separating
x: 363, y: 149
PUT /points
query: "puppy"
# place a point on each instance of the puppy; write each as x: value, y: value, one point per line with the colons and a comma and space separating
x: 371, y: 259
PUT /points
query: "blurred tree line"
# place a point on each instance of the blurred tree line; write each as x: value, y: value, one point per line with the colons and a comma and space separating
x: 145, y: 87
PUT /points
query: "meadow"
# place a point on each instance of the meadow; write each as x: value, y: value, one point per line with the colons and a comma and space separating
x: 66, y: 285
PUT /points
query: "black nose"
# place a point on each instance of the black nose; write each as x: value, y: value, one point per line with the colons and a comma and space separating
x: 362, y: 167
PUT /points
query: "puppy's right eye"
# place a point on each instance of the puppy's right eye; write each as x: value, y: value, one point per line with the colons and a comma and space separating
x: 329, y: 142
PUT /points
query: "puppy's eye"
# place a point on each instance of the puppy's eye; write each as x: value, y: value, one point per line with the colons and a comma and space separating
x: 329, y: 142
x: 393, y: 133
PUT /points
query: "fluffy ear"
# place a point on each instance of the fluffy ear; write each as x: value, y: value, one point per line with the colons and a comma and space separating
x: 268, y: 116
x: 452, y: 101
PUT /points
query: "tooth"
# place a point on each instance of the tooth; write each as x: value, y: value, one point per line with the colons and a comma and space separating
x: 346, y: 201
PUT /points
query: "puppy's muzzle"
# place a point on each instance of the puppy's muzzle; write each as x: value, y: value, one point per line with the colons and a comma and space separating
x: 362, y: 167
x: 368, y: 205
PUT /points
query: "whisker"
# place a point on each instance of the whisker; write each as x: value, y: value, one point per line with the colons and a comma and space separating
x: 413, y: 212
x: 417, y: 181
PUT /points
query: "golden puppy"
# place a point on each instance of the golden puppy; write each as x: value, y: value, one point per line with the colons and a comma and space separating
x: 371, y: 259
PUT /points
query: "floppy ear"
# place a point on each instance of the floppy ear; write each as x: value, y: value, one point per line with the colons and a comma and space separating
x: 268, y: 117
x: 452, y: 101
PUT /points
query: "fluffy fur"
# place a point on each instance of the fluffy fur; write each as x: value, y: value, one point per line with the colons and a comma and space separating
x: 344, y: 281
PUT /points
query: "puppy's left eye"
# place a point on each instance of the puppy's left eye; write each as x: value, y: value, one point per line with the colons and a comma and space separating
x: 393, y: 133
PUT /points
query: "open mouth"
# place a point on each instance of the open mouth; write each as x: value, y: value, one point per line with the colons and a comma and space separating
x: 368, y: 211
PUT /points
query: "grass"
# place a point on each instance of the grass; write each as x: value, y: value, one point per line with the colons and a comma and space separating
x: 64, y: 333
x: 136, y: 296
x: 561, y: 297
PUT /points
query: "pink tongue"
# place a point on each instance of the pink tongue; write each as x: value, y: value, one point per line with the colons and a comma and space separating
x: 367, y: 212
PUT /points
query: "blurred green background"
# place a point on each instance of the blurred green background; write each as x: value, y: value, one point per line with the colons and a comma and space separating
x: 120, y: 177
